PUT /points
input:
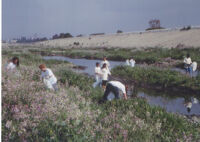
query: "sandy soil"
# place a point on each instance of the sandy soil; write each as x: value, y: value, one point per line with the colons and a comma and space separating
x: 160, y: 38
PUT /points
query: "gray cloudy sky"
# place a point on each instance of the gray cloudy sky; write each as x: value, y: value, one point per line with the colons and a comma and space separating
x: 47, y: 17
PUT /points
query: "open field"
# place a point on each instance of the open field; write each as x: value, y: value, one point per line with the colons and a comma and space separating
x: 160, y: 38
x: 32, y: 113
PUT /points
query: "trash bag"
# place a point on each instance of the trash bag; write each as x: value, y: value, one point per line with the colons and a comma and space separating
x: 194, y: 66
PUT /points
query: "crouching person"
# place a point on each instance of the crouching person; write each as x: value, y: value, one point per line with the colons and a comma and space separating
x: 48, y: 78
x: 115, y: 87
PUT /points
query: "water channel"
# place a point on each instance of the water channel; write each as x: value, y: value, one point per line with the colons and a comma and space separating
x: 187, y: 104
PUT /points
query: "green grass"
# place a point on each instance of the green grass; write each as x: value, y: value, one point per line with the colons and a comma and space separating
x: 150, y: 55
x: 73, y: 113
x: 33, y: 59
x: 158, y: 77
x: 172, y: 125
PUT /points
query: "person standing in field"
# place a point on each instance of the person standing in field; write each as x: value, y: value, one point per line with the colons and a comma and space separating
x: 115, y: 87
x: 48, y: 77
x: 98, y: 75
x: 127, y: 62
x: 105, y: 73
x: 132, y: 62
x: 13, y: 63
x: 105, y: 61
x: 187, y: 61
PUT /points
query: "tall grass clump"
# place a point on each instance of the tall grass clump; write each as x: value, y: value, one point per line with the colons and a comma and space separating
x: 157, y: 77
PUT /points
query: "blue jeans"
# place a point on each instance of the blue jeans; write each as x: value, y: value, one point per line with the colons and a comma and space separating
x: 189, y: 69
x: 111, y: 88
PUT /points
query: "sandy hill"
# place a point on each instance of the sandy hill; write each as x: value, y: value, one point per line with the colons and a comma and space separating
x: 160, y: 38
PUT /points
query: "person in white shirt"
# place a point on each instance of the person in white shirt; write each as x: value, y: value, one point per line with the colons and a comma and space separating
x: 105, y: 73
x: 115, y: 87
x: 128, y: 62
x: 105, y: 61
x: 188, y: 63
x: 13, y: 63
x: 48, y: 78
x: 98, y: 75
x: 132, y: 62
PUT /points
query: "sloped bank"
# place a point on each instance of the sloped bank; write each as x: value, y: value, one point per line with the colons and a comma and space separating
x: 73, y: 114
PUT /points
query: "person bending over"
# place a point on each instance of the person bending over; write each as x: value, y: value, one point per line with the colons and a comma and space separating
x: 48, y: 77
x: 115, y: 87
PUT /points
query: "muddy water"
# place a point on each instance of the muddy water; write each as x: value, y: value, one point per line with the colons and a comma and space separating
x: 187, y: 104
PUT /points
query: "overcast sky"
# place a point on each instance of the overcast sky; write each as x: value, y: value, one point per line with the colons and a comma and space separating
x: 47, y: 17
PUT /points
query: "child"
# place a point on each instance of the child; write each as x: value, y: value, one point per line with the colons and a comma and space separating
x: 105, y: 72
x: 48, y: 78
x: 98, y: 75
x: 13, y: 63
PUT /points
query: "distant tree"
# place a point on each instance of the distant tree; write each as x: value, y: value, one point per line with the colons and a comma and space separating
x: 119, y: 31
x: 185, y: 28
x: 79, y: 35
x: 55, y: 36
x: 154, y: 24
x: 67, y: 35
x: 62, y: 35
x: 94, y: 34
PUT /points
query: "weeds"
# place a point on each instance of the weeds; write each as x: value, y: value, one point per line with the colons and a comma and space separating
x: 158, y: 77
x: 32, y: 113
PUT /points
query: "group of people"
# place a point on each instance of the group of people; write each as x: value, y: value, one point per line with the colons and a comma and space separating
x: 130, y: 62
x: 189, y: 65
x: 102, y: 72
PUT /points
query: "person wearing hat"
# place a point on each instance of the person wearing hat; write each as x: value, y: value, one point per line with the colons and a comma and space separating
x: 48, y: 77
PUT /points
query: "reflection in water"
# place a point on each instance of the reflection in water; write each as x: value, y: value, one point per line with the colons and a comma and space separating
x: 179, y: 103
x: 183, y: 71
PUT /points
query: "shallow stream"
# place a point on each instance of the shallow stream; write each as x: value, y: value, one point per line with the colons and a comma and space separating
x: 187, y: 104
